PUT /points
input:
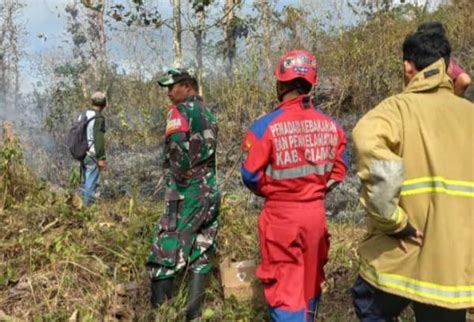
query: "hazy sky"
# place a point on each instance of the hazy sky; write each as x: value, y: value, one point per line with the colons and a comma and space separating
x: 48, y: 19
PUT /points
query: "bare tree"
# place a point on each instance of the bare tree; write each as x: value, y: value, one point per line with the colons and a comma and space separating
x: 199, y: 31
x: 97, y: 40
x: 6, y: 22
x: 199, y: 35
x: 230, y: 38
x: 177, y: 30
x: 79, y: 40
x: 15, y: 63
x: 266, y: 21
x: 87, y: 28
x: 10, y: 53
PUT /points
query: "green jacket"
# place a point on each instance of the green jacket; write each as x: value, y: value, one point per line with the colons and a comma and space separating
x: 95, y: 135
x: 190, y: 149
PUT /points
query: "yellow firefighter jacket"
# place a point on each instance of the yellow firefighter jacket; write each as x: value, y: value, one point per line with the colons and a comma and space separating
x: 416, y: 164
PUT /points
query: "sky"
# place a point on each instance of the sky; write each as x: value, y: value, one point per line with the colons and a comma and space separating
x: 44, y: 23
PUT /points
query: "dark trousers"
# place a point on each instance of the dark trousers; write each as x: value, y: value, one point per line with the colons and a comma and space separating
x: 374, y: 305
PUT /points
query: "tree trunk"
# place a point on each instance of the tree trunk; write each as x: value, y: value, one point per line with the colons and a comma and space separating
x: 97, y: 44
x: 9, y: 56
x: 3, y: 62
x: 199, y: 35
x: 74, y: 28
x: 230, y: 43
x: 177, y: 30
x: 15, y: 88
x: 265, y: 10
x: 102, y: 45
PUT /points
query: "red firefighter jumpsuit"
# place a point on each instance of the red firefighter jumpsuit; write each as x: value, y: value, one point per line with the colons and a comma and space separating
x: 294, y: 155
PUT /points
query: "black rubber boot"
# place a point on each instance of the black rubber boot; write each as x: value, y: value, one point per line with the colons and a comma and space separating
x: 197, y: 285
x: 161, y: 290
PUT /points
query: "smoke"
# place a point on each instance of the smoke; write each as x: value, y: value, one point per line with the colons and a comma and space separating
x: 40, y: 149
x: 131, y: 171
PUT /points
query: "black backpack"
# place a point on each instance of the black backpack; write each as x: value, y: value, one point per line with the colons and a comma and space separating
x: 76, y: 139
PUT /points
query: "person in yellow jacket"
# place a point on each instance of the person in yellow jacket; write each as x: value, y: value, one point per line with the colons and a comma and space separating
x: 416, y: 164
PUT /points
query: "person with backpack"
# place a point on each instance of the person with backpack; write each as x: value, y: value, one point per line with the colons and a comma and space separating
x: 295, y: 155
x: 87, y: 145
x: 186, y: 233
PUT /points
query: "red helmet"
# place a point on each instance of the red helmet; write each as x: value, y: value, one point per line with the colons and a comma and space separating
x: 297, y: 64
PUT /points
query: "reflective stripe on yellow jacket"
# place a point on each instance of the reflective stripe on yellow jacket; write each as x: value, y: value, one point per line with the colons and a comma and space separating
x: 416, y: 165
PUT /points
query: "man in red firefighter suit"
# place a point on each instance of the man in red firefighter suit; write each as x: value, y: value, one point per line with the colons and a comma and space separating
x: 295, y: 155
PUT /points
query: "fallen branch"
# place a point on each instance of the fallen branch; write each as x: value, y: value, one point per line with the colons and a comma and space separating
x: 82, y: 267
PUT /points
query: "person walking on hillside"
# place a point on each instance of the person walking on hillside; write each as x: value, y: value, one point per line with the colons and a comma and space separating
x: 460, y: 77
x: 95, y: 160
x: 294, y: 156
x: 186, y: 233
x: 416, y: 165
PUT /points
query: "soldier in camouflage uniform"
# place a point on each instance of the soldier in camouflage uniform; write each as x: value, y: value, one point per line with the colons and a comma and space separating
x: 186, y: 233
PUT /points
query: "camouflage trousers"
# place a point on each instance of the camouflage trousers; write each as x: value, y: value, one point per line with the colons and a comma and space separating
x: 185, y: 236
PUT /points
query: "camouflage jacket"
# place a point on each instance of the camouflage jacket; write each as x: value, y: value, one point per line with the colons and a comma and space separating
x: 190, y: 148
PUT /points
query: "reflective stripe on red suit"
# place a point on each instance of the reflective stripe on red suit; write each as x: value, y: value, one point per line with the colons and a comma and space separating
x: 293, y: 155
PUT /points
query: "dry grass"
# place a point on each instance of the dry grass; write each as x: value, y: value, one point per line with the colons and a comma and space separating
x: 16, y: 180
x: 58, y: 262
